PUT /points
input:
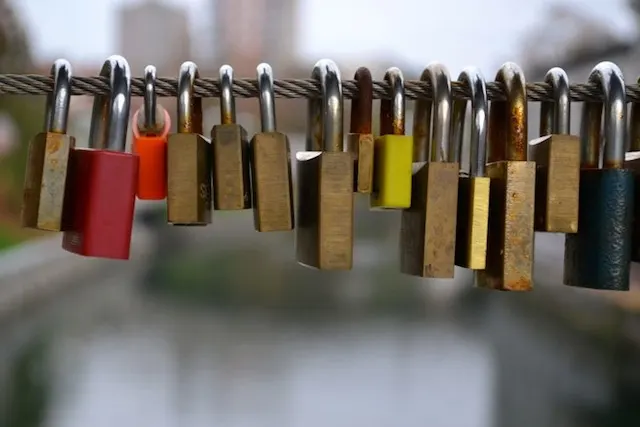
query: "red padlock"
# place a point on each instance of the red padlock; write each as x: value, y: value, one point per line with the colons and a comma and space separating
x: 103, y: 178
x: 150, y: 126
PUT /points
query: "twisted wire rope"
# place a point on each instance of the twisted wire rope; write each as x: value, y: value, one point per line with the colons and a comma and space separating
x: 33, y: 84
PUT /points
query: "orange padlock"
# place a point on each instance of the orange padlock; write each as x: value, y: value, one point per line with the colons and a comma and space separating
x: 151, y: 125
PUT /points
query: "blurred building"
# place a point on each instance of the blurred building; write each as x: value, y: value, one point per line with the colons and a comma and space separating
x: 152, y: 32
x: 248, y: 32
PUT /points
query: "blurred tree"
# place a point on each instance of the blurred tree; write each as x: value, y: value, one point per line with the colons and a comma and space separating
x: 26, y: 111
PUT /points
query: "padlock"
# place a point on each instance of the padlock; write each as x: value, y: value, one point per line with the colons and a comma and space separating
x: 270, y: 164
x: 230, y: 152
x: 632, y: 161
x: 557, y: 157
x: 151, y: 124
x: 428, y: 227
x: 509, y: 265
x: 46, y: 174
x: 104, y: 178
x: 188, y: 158
x: 598, y: 256
x: 473, y: 186
x: 393, y: 158
x: 360, y: 136
x: 324, y: 229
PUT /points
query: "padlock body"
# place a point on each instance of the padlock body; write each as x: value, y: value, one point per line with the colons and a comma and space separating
x: 599, y: 255
x: 324, y: 229
x: 102, y: 202
x: 472, y: 225
x: 557, y: 160
x: 188, y: 180
x: 428, y: 227
x: 634, y: 166
x: 271, y: 187
x: 152, y: 180
x: 45, y: 181
x: 361, y: 146
x: 509, y: 264
x: 231, y: 183
x: 392, y: 172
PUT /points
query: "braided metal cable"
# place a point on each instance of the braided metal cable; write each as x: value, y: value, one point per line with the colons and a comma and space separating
x: 33, y: 84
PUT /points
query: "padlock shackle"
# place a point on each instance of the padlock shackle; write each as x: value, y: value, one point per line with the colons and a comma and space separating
x: 473, y: 80
x: 57, y: 109
x: 555, y: 116
x: 189, y: 107
x: 608, y: 76
x: 507, y: 137
x: 326, y: 114
x: 266, y: 98
x: 150, y: 98
x: 362, y: 105
x: 432, y: 118
x: 227, y: 100
x: 393, y: 111
x: 110, y: 116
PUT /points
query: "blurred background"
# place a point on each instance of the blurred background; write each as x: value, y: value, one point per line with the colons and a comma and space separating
x: 219, y: 326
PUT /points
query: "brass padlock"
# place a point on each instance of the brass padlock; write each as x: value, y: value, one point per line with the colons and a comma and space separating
x: 511, y: 207
x: 392, y: 169
x: 230, y: 148
x: 324, y: 232
x: 474, y: 185
x: 188, y: 158
x: 270, y: 164
x: 428, y: 227
x: 360, y: 136
x: 45, y: 183
x: 557, y: 157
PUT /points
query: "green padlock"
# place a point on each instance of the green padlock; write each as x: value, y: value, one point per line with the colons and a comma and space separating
x: 599, y: 255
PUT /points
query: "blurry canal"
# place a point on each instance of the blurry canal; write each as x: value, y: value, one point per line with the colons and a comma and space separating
x: 112, y: 358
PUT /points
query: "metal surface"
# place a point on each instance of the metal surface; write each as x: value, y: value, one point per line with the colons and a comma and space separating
x: 360, y: 136
x: 473, y: 189
x: 324, y: 231
x: 110, y: 116
x: 189, y: 107
x: 266, y: 98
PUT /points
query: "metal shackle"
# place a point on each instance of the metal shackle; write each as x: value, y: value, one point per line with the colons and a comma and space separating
x: 227, y: 100
x: 432, y: 118
x: 362, y: 106
x: 393, y: 111
x: 150, y: 98
x: 609, y: 78
x: 59, y: 99
x: 555, y: 116
x: 507, y: 137
x: 474, y: 81
x: 110, y: 116
x: 189, y: 107
x: 266, y: 98
x: 326, y: 114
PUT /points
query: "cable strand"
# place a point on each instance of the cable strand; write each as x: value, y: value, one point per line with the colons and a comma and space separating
x: 33, y: 84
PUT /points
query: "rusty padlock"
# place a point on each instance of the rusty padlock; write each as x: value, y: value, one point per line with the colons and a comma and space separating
x: 271, y: 185
x: 360, y: 136
x: 104, y: 178
x: 47, y: 169
x: 188, y: 158
x: 324, y: 232
x: 230, y: 152
x: 474, y: 186
x: 557, y: 157
x: 428, y: 227
x: 513, y: 178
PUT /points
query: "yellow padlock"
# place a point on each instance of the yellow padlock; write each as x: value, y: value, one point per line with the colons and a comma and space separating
x: 393, y: 153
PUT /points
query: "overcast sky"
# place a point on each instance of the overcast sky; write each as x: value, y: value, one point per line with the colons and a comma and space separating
x: 456, y: 32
